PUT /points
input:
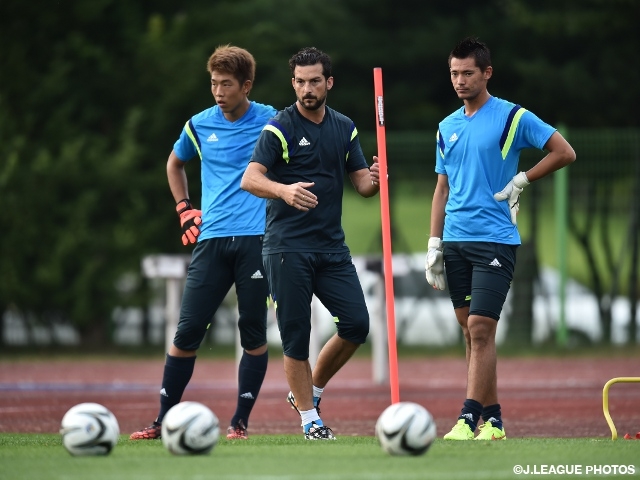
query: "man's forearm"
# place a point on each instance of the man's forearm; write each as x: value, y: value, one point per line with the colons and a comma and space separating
x: 259, y: 185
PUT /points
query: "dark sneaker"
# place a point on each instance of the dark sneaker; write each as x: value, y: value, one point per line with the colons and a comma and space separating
x: 237, y: 432
x: 317, y: 432
x: 148, y: 433
x: 291, y: 399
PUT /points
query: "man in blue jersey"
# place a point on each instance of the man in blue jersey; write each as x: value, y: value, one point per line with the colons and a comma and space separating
x: 228, y: 231
x: 473, y: 219
x: 299, y: 164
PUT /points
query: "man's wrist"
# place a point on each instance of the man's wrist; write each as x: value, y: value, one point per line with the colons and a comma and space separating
x: 521, y: 180
x: 183, y: 205
x: 435, y: 242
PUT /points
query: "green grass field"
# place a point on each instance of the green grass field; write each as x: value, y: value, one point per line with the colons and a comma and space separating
x: 287, y: 457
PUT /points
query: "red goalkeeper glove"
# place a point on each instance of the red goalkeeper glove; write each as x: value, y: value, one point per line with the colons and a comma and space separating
x: 190, y: 220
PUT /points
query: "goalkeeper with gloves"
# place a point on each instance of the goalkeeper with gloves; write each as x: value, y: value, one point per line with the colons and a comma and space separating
x: 473, y: 220
x: 227, y: 233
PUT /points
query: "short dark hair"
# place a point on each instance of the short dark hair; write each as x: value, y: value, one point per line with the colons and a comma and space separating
x: 472, y: 47
x: 311, y: 56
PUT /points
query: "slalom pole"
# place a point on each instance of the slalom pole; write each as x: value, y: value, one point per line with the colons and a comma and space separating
x: 386, y: 236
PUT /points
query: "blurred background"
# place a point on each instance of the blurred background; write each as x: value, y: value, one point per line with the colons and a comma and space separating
x: 94, y: 94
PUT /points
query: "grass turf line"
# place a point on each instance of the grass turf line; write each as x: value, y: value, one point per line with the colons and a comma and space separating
x: 288, y: 457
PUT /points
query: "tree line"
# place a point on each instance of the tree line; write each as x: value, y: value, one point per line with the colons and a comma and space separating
x: 94, y: 94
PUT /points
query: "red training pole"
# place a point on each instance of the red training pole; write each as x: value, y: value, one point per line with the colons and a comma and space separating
x: 386, y: 236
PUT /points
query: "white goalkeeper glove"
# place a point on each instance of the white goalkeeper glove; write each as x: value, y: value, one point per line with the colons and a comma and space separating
x: 434, y: 264
x: 511, y: 192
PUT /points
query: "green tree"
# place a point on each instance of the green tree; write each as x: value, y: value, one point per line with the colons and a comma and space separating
x: 94, y: 94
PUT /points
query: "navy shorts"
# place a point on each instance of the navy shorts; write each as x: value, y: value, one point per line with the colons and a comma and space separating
x: 294, y: 277
x: 217, y: 264
x: 479, y: 275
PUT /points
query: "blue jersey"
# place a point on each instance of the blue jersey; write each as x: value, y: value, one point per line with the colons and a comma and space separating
x: 479, y: 155
x: 295, y: 149
x: 225, y: 149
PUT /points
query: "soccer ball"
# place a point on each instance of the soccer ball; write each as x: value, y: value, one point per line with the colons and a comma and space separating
x: 405, y: 428
x: 190, y: 428
x: 89, y: 429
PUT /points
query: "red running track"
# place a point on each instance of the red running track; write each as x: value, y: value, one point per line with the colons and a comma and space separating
x: 540, y: 397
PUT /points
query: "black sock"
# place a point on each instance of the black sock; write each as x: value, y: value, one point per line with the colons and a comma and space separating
x: 177, y: 373
x: 471, y: 412
x: 251, y: 372
x: 492, y: 413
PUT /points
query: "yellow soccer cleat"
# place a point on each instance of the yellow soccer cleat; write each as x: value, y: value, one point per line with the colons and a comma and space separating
x: 489, y: 432
x: 460, y: 431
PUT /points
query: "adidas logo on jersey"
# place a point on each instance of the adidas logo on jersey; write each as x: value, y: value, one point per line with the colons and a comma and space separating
x: 212, y: 138
x: 257, y: 275
x: 247, y: 395
x: 495, y: 263
x: 304, y: 142
x: 163, y: 392
x: 453, y: 137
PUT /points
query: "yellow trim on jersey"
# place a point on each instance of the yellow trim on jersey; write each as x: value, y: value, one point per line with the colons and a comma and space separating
x: 512, y: 132
x: 278, y: 133
x: 354, y: 134
x: 192, y: 136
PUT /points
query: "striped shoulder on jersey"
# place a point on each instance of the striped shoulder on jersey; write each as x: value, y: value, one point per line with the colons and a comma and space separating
x: 510, y: 128
x: 354, y: 134
x: 279, y: 131
x: 191, y: 132
x: 440, y: 142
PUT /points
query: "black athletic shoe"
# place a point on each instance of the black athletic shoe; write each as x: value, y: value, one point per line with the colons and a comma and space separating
x: 317, y: 432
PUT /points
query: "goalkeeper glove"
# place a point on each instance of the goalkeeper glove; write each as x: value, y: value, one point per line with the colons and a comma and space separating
x: 434, y: 264
x: 190, y: 219
x: 511, y: 192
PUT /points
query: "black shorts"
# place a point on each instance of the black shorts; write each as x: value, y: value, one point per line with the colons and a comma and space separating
x: 217, y: 264
x: 479, y: 275
x: 295, y: 277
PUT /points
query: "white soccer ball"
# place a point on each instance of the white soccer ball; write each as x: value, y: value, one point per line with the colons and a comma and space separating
x: 405, y: 428
x: 89, y: 429
x: 190, y: 428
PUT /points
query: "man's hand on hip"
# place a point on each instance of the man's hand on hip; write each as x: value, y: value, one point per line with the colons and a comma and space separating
x: 511, y: 192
